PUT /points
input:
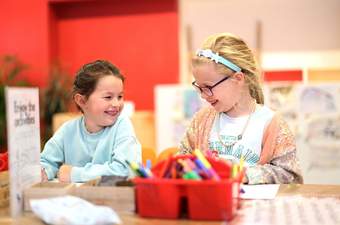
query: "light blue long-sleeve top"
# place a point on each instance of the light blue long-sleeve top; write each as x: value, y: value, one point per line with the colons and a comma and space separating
x: 91, y: 154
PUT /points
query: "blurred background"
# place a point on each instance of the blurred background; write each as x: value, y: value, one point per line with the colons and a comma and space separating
x: 296, y: 42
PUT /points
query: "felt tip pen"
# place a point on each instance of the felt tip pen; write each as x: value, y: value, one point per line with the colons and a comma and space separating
x: 134, y: 168
x: 204, y: 172
x: 139, y: 171
x: 148, y: 164
x: 145, y: 172
x: 191, y: 175
x: 184, y: 165
x: 207, y: 165
x: 209, y: 171
x: 234, y: 170
x: 241, y: 163
x: 200, y: 156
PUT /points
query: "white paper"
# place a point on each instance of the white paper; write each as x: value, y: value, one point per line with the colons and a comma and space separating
x: 72, y: 210
x: 22, y: 111
x: 291, y: 210
x: 263, y: 191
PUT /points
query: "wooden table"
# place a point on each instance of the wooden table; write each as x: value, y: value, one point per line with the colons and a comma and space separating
x: 307, y: 190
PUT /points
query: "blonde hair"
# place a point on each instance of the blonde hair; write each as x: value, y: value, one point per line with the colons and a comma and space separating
x: 237, y: 51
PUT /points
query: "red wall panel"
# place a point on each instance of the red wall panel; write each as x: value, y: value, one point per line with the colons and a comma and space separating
x: 24, y: 33
x: 283, y: 75
x: 140, y: 37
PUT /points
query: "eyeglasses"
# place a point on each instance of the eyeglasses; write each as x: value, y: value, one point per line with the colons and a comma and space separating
x: 207, y: 90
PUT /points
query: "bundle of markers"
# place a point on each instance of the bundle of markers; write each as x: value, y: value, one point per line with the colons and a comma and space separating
x: 193, y: 167
x: 140, y: 170
x: 196, y: 167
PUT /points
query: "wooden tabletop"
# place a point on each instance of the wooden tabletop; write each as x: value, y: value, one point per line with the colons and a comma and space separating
x: 307, y: 190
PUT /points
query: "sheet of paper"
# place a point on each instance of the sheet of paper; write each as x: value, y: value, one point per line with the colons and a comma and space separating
x: 291, y: 210
x: 264, y: 191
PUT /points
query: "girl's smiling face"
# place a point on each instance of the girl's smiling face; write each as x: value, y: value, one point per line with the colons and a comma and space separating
x: 104, y: 105
x: 225, y: 94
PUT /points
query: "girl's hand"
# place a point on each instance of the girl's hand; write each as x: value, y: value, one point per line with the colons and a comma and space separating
x: 211, y: 154
x: 64, y: 174
x: 44, y: 177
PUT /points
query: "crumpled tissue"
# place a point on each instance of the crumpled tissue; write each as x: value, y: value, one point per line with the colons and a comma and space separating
x: 72, y: 210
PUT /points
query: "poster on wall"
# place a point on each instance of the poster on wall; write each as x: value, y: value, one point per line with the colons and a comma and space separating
x: 22, y: 111
x: 312, y: 111
x: 175, y: 107
x: 281, y: 97
x: 319, y: 109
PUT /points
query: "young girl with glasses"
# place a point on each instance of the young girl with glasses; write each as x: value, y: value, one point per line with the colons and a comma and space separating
x: 236, y: 125
x: 101, y: 140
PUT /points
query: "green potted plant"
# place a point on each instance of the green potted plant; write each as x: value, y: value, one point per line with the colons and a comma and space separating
x: 10, y: 71
x: 55, y: 97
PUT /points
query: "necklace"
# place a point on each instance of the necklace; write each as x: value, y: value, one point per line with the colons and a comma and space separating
x: 240, y: 136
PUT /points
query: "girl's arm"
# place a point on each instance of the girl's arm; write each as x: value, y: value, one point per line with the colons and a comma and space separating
x: 283, y: 169
x: 278, y: 162
x: 198, y: 131
x: 186, y: 145
x: 52, y: 156
x: 125, y: 147
x: 128, y: 149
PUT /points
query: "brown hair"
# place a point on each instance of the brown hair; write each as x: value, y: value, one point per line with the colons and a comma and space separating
x: 237, y: 51
x: 88, y: 75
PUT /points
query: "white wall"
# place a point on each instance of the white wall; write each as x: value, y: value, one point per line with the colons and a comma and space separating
x: 301, y: 60
x: 304, y: 29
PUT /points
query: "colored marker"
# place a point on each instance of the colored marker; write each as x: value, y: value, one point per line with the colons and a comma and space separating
x: 145, y: 170
x: 201, y: 157
x: 206, y: 164
x: 148, y: 164
x: 134, y: 168
x: 241, y: 162
x: 191, y: 175
x: 139, y: 171
x: 184, y: 165
x: 234, y: 170
x: 206, y: 172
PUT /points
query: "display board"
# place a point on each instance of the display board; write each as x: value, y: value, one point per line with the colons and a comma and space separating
x: 22, y: 108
